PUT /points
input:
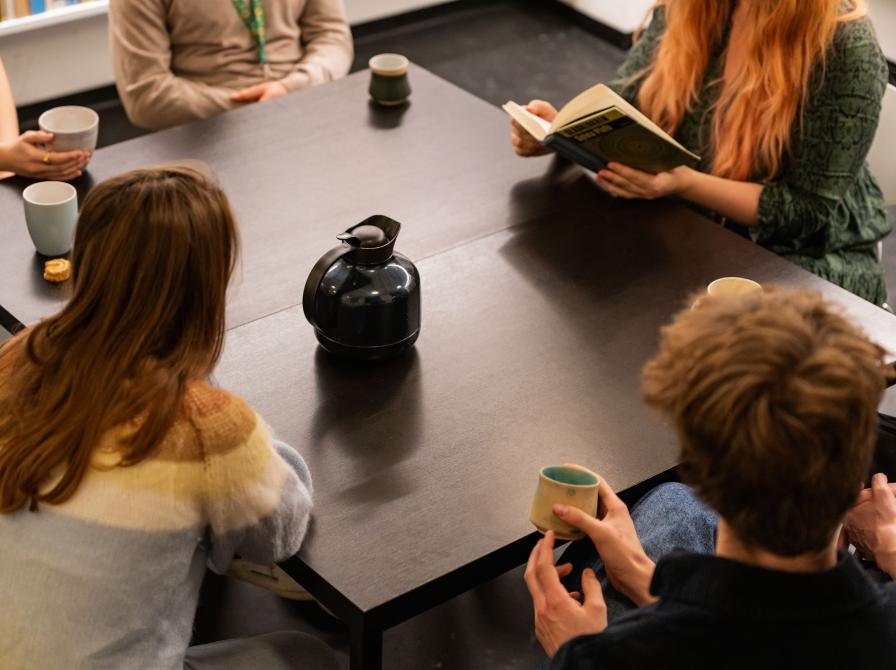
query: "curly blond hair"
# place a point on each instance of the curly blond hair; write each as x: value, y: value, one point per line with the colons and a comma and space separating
x: 774, y: 396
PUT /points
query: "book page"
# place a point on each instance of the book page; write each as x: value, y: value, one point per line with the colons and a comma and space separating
x: 536, y: 126
x: 590, y: 100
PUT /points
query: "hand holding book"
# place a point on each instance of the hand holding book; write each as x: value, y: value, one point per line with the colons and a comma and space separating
x: 524, y: 144
x: 625, y: 182
x: 598, y: 127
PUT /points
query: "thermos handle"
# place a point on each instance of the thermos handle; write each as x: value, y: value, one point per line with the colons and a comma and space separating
x: 317, y: 276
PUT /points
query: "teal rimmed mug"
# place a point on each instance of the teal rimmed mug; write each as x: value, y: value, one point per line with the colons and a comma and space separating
x: 569, y: 485
x: 389, y: 83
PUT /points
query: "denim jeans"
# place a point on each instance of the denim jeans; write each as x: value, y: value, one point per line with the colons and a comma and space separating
x: 667, y: 518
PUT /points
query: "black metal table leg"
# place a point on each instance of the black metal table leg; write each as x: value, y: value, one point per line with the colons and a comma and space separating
x: 366, y: 647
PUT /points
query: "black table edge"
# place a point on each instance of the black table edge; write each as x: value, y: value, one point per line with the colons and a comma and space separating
x: 9, y: 322
x: 441, y: 589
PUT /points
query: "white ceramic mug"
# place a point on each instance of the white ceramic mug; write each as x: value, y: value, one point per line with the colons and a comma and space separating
x: 574, y: 486
x: 728, y: 286
x: 74, y: 128
x: 732, y: 286
x: 51, y: 213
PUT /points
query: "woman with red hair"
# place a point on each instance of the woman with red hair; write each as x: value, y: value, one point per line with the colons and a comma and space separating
x: 782, y: 99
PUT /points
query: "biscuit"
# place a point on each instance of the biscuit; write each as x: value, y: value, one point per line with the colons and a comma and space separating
x: 57, y: 270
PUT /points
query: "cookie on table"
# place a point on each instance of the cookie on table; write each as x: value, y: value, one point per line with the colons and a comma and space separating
x: 57, y: 270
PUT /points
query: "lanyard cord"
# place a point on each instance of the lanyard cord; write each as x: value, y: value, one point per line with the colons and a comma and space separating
x: 253, y: 17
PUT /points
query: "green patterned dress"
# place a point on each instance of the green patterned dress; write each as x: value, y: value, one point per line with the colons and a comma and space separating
x: 824, y: 211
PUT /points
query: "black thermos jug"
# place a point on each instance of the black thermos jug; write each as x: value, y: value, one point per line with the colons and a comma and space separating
x: 362, y: 298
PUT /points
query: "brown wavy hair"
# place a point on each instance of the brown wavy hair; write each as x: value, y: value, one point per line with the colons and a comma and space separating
x: 774, y: 396
x: 153, y: 253
x: 759, y: 105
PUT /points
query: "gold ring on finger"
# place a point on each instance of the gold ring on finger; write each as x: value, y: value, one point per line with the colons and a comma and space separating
x: 46, y: 158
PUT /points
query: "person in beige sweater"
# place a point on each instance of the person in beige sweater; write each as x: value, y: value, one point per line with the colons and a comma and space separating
x: 180, y: 60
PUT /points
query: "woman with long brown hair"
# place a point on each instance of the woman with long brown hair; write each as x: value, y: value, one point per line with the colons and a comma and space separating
x: 123, y: 473
x: 782, y: 99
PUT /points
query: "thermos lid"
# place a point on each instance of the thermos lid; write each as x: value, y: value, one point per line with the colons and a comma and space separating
x: 370, y: 242
x: 364, y: 236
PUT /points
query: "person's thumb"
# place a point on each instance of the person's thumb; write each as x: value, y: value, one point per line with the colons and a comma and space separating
x: 543, y: 109
x: 36, y: 137
x: 592, y: 527
x: 881, y: 492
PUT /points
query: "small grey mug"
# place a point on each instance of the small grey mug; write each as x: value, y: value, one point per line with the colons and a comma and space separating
x: 51, y: 213
x: 389, y: 83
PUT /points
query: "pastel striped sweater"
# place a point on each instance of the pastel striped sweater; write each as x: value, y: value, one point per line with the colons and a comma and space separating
x: 110, y: 579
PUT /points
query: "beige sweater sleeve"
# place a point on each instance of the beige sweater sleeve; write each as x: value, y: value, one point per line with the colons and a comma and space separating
x: 327, y: 45
x: 152, y: 95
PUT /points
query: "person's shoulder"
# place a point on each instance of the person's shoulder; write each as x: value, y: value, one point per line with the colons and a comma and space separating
x: 888, y: 593
x: 856, y: 41
x: 202, y: 401
x: 854, y: 63
x: 877, y: 623
x: 212, y: 422
x: 223, y: 419
x: 855, y: 31
x: 656, y: 21
x: 651, y: 636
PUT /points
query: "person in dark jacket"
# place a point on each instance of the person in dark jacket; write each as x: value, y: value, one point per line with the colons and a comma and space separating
x: 773, y: 396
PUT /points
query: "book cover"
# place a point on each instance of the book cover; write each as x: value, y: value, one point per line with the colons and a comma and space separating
x: 37, y: 6
x: 21, y: 8
x: 613, y: 136
x: 599, y: 127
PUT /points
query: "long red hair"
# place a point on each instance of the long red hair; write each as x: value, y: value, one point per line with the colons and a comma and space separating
x: 760, y: 103
x: 153, y: 254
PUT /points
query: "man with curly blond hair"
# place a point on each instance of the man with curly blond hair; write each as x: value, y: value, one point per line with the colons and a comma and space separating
x: 773, y: 396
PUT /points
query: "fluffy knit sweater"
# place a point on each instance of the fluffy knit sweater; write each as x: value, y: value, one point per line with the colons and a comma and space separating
x: 110, y: 579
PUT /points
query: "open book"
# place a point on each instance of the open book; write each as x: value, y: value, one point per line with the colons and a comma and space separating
x: 598, y: 126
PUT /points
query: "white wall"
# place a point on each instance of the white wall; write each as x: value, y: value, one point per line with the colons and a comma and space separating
x: 368, y: 10
x: 73, y: 56
x: 65, y: 58
x: 623, y: 15
x: 883, y: 14
x: 69, y: 57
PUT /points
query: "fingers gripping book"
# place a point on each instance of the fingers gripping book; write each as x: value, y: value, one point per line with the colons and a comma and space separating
x: 598, y: 127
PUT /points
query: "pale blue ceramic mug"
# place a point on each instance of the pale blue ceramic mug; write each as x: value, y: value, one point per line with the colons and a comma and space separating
x: 51, y: 213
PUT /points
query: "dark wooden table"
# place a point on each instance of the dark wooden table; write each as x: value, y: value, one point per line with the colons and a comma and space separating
x: 303, y: 168
x: 542, y: 299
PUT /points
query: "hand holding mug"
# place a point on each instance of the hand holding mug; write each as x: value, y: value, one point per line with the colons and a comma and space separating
x: 571, y: 485
x: 24, y: 157
x: 613, y: 533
